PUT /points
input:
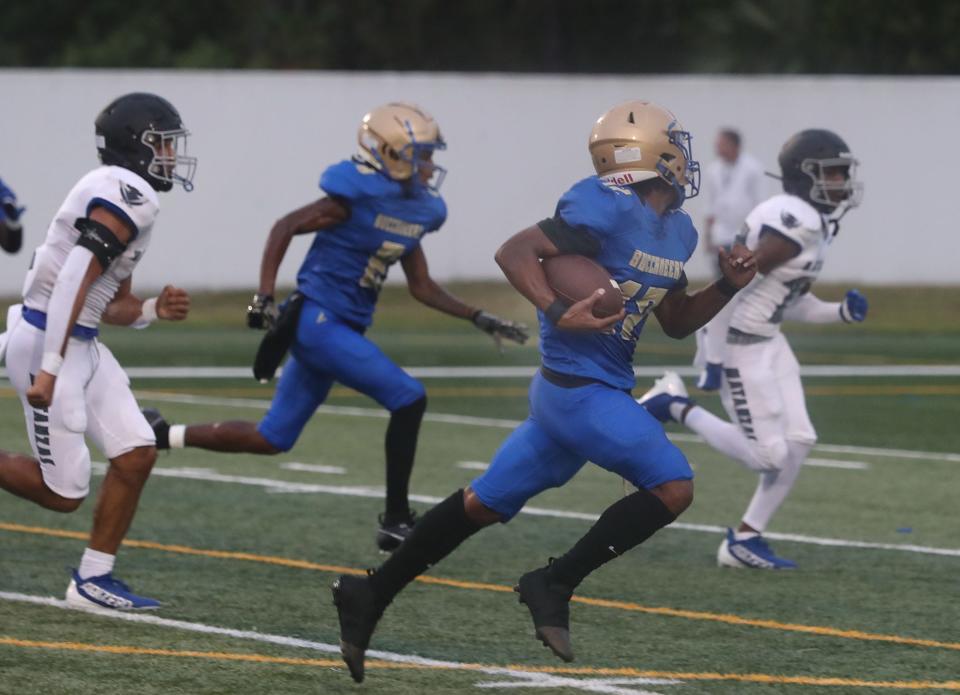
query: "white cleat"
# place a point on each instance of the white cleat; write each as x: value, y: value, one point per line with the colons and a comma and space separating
x: 666, y: 391
x: 670, y: 383
x: 752, y: 552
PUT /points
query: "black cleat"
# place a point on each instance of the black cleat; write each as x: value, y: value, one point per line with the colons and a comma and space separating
x: 393, y: 532
x: 358, y: 614
x: 160, y: 427
x: 549, y: 604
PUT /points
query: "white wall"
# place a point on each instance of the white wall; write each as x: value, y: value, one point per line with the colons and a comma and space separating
x: 516, y: 143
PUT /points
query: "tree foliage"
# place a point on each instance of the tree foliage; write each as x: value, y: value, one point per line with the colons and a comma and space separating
x: 623, y: 36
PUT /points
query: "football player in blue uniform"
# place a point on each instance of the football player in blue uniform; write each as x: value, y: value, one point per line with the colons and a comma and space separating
x: 377, y: 208
x: 11, y: 229
x: 628, y: 218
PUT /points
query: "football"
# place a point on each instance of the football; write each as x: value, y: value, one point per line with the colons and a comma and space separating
x: 574, y: 278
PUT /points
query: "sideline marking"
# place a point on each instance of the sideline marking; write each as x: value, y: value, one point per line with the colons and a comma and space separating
x: 274, y: 485
x: 353, y: 411
x: 629, y: 606
x: 829, y: 371
x: 382, y: 659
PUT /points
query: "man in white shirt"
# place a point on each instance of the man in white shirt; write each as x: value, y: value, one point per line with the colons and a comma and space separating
x: 734, y: 186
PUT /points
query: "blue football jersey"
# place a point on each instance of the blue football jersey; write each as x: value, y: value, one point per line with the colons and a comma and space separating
x: 347, y: 264
x: 643, y: 252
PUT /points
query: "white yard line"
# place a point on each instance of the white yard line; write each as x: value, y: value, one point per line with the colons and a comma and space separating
x: 287, y: 487
x: 472, y: 465
x: 313, y: 468
x: 520, y: 678
x: 842, y: 465
x: 260, y: 404
x: 829, y: 371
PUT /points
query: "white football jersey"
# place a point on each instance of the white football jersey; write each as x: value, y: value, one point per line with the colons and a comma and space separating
x: 123, y: 193
x: 761, y: 304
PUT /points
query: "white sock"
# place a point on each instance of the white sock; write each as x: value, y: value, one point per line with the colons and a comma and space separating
x: 744, y: 535
x: 676, y: 410
x: 94, y: 563
x: 774, y: 487
x: 177, y: 435
x: 723, y: 436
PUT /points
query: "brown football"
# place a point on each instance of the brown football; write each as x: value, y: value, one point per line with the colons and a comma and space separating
x: 573, y: 278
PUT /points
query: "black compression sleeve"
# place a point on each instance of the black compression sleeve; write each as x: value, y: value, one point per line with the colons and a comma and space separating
x: 100, y: 240
x: 567, y: 239
x: 10, y: 239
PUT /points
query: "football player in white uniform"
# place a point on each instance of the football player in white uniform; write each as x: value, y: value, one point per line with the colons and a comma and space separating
x: 789, y: 235
x: 69, y: 383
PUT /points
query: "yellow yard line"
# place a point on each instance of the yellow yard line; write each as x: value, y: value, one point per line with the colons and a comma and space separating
x: 725, y: 618
x: 373, y: 664
x: 852, y: 390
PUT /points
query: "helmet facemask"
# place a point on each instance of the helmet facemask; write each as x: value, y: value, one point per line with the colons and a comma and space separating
x: 406, y: 163
x: 829, y: 193
x: 419, y: 157
x: 170, y: 162
x: 686, y: 182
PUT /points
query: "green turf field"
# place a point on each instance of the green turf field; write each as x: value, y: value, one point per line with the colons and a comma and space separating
x: 242, y: 549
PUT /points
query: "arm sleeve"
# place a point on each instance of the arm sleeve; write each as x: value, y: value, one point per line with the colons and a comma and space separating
x: 63, y: 298
x: 810, y: 309
x: 567, y: 239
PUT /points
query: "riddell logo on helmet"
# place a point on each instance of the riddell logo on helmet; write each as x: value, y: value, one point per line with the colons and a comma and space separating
x: 620, y: 179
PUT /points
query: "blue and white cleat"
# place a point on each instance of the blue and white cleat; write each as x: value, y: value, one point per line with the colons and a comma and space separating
x: 666, y: 390
x: 711, y: 378
x: 106, y: 592
x: 750, y: 553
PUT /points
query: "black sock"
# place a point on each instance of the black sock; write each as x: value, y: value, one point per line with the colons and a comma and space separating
x: 626, y: 523
x: 401, y: 446
x: 435, y: 536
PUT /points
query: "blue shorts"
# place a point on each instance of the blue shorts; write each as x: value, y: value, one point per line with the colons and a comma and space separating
x: 327, y: 350
x: 568, y: 427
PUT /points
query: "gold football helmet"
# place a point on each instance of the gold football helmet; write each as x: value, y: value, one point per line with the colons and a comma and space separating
x: 399, y: 139
x: 637, y: 141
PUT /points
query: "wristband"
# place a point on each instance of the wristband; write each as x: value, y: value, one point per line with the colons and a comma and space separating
x: 148, y: 311
x: 725, y: 288
x: 555, y: 311
x: 51, y: 363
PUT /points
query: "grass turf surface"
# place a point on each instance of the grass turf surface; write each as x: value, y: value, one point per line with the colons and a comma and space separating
x: 889, y: 592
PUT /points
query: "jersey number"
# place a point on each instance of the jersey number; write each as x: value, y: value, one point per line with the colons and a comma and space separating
x: 647, y: 298
x: 376, y: 271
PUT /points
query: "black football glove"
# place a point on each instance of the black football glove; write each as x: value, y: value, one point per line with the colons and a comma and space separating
x: 262, y: 312
x: 500, y: 329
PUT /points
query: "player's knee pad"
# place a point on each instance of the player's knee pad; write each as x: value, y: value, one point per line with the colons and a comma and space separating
x: 772, y: 456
